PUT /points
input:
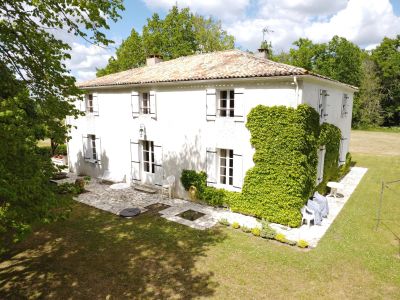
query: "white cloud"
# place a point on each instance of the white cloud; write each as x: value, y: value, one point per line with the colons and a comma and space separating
x: 364, y: 22
x: 86, y: 58
x: 219, y: 8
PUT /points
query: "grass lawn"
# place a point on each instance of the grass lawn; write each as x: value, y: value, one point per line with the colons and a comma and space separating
x: 95, y: 255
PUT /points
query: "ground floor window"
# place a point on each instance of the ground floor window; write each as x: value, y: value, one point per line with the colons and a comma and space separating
x: 226, y: 166
x: 92, y: 145
x: 148, y: 156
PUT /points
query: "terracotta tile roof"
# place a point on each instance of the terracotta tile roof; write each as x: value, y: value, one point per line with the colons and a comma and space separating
x: 214, y: 65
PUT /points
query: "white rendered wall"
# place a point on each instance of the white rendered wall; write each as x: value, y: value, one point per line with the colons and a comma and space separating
x: 311, y: 92
x: 181, y: 127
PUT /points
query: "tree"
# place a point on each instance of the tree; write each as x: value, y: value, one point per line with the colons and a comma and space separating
x: 367, y: 111
x: 387, y: 58
x: 36, y: 95
x: 130, y: 54
x: 180, y: 33
x: 303, y: 56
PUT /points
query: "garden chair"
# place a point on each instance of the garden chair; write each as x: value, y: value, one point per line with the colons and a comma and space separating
x: 308, y: 216
x: 168, y: 185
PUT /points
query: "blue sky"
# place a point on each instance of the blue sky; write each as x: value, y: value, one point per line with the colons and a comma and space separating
x: 364, y: 22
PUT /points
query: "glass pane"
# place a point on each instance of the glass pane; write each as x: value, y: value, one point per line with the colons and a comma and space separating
x: 223, y: 162
x: 223, y: 153
x: 223, y: 179
x: 230, y: 172
x: 223, y: 94
x: 146, y: 156
x: 146, y: 166
x: 230, y: 181
x: 232, y: 94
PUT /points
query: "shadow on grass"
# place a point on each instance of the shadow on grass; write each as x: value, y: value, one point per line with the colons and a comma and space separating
x: 98, y: 255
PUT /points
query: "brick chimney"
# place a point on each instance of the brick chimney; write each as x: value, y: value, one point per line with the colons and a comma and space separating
x: 153, y: 59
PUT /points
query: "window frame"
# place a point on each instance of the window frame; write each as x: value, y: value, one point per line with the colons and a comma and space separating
x: 145, y: 109
x: 89, y: 103
x: 225, y: 167
x: 227, y: 111
x: 93, y: 149
x: 148, y: 164
x: 345, y: 100
x: 323, y: 104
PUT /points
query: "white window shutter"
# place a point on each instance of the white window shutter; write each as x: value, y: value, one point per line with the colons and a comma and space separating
x: 211, y: 158
x: 158, y: 168
x: 239, y: 105
x: 135, y: 161
x: 342, y: 154
x: 344, y: 105
x: 153, y: 104
x: 211, y: 104
x: 135, y: 104
x: 87, y: 155
x: 95, y: 104
x: 237, y: 171
x: 98, y: 150
x: 320, y: 167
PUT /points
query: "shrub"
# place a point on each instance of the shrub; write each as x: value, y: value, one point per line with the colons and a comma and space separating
x: 61, y: 150
x: 302, y: 244
x: 191, y: 177
x: 283, y: 177
x: 280, y: 237
x: 70, y: 188
x: 213, y: 196
x: 87, y: 178
x: 345, y: 168
x: 266, y: 231
x: 246, y: 229
x: 291, y: 243
x: 235, y: 225
x: 223, y: 222
x: 256, y: 231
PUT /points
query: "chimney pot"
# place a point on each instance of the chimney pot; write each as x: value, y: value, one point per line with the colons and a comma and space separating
x: 153, y: 59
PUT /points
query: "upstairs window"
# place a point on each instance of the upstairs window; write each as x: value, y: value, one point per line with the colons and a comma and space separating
x: 148, y: 156
x: 322, y: 105
x: 89, y: 103
x: 226, y: 166
x: 345, y: 101
x: 145, y: 103
x: 226, y: 103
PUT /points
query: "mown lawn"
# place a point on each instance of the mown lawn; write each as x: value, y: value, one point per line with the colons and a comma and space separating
x: 96, y: 255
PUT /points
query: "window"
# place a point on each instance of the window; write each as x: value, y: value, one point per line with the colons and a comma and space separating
x: 145, y: 104
x: 226, y: 166
x: 89, y: 103
x: 148, y: 156
x: 92, y: 146
x: 344, y: 105
x: 226, y: 103
x: 323, y: 114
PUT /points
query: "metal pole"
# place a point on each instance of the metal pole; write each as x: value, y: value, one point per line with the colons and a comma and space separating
x: 378, y: 219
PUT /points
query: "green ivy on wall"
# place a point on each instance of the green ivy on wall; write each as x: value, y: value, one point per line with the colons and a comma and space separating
x: 286, y: 141
x: 330, y: 137
x: 283, y: 177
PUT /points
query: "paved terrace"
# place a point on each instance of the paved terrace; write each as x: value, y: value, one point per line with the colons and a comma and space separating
x: 103, y: 197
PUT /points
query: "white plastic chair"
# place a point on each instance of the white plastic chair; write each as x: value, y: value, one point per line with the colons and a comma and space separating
x: 168, y: 185
x: 308, y: 215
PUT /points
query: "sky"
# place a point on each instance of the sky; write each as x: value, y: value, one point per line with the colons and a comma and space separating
x: 364, y: 22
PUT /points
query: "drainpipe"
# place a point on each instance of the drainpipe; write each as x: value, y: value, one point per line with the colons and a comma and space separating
x: 297, y: 89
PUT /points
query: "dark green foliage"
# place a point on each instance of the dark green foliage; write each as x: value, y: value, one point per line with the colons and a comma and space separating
x: 60, y: 150
x: 191, y: 177
x: 345, y: 168
x: 330, y: 137
x: 70, y: 188
x: 36, y: 94
x: 285, y: 140
x: 180, y: 33
x: 213, y: 196
x: 387, y: 59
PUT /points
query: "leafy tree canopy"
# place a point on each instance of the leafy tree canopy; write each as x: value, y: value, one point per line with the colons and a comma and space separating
x: 180, y: 33
x: 36, y: 95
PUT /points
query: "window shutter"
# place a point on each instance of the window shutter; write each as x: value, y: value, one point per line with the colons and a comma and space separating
x: 153, y: 104
x: 342, y: 154
x: 344, y: 105
x: 95, y: 104
x: 135, y: 104
x: 98, y: 150
x: 211, y: 104
x: 237, y: 171
x: 86, y: 148
x: 211, y: 160
x: 322, y: 105
x: 135, y: 161
x: 239, y: 105
x: 320, y: 167
x: 158, y: 168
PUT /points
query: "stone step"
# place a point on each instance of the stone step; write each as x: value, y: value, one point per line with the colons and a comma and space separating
x: 146, y: 188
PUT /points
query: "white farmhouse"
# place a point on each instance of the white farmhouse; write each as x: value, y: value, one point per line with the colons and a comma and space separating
x: 147, y: 123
